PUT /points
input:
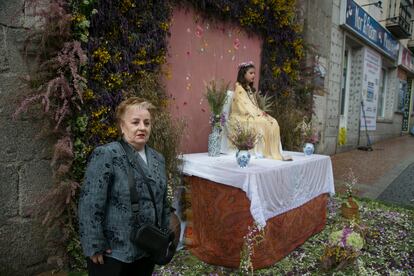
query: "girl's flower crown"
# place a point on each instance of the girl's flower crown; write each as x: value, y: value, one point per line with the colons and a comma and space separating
x: 245, y: 64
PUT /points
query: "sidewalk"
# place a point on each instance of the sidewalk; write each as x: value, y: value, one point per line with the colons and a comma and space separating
x: 377, y: 169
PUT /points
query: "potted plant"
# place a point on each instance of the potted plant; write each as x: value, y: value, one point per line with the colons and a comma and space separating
x: 342, y: 249
x: 244, y: 139
x: 350, y: 208
x: 309, y: 135
x: 216, y: 96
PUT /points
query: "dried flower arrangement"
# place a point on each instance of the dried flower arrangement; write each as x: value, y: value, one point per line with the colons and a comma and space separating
x: 308, y: 133
x: 242, y: 136
x: 216, y: 96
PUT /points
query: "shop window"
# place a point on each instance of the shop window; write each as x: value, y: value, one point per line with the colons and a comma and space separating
x: 382, y: 93
x: 402, y: 96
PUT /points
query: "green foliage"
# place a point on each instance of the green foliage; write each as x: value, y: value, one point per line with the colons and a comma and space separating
x: 265, y: 102
x: 288, y: 117
x: 165, y: 137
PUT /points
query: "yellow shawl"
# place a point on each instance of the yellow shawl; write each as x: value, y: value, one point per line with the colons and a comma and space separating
x: 244, y: 109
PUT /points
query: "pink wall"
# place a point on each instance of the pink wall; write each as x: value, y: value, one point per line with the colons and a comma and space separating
x: 200, y: 51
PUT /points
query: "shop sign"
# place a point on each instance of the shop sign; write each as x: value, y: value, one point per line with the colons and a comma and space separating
x: 358, y: 21
x: 370, y: 87
x: 406, y: 59
x: 406, y: 107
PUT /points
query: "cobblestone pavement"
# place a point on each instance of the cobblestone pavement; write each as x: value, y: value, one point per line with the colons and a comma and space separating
x: 401, y: 190
x: 378, y: 169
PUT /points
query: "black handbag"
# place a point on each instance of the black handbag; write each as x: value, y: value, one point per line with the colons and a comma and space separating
x: 157, y: 242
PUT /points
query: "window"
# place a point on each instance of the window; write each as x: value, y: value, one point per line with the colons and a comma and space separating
x: 382, y: 93
x: 402, y: 96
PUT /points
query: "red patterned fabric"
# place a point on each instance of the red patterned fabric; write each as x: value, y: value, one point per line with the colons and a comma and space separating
x: 221, y: 216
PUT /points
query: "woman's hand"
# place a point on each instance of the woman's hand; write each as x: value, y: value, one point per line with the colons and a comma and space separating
x: 98, y: 258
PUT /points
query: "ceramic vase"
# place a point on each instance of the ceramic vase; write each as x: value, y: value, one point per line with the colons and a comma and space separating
x: 214, y: 142
x: 308, y: 149
x: 243, y: 158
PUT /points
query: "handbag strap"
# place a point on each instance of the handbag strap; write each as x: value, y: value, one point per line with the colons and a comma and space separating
x: 132, y: 189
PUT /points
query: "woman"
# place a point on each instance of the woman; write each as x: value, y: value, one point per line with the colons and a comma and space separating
x: 244, y: 109
x: 105, y: 216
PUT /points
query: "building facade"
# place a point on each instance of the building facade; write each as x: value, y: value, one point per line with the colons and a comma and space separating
x: 364, y: 48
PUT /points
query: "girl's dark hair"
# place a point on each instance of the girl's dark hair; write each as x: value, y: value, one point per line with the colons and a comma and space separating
x: 242, y: 80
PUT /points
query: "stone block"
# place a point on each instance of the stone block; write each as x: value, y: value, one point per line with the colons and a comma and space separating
x: 329, y: 145
x: 10, y: 11
x: 10, y: 93
x: 35, y: 181
x: 21, y: 139
x: 4, y: 52
x: 9, y: 191
x: 23, y: 248
x: 8, y: 140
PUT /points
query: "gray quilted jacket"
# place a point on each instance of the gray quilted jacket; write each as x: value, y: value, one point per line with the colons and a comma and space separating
x: 105, y: 216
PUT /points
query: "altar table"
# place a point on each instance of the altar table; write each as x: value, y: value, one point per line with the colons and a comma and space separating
x: 289, y: 198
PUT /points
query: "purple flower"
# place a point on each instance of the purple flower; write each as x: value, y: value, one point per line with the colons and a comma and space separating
x: 345, y: 234
x: 223, y: 119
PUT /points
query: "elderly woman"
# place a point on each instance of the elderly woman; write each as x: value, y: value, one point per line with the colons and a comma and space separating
x: 106, y: 220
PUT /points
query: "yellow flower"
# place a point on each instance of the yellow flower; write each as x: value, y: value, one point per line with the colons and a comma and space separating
x: 276, y: 72
x: 112, y: 131
x: 139, y: 62
x: 142, y: 53
x: 287, y: 67
x: 101, y: 55
x: 126, y: 5
x: 77, y: 18
x: 101, y: 111
x: 164, y: 26
x: 88, y: 94
x: 117, y: 57
x: 298, y: 47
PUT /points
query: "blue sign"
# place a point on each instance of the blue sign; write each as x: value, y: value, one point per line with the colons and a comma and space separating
x: 362, y: 24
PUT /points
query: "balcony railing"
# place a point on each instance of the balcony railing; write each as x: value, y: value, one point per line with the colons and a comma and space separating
x: 399, y: 22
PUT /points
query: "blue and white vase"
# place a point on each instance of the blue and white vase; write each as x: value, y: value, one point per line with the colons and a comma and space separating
x: 308, y: 149
x: 243, y: 158
x: 214, y: 142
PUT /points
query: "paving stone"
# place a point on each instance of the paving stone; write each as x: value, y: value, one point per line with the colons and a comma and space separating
x: 376, y: 170
x: 401, y: 190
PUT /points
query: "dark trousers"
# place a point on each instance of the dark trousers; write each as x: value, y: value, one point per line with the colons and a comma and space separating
x: 113, y: 267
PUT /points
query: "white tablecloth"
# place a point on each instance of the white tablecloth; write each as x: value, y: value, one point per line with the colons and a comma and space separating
x: 273, y: 186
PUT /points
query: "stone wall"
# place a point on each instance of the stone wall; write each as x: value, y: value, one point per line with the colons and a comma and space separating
x: 321, y: 35
x: 335, y: 75
x: 25, y: 172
